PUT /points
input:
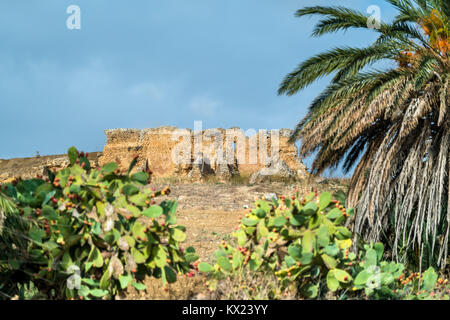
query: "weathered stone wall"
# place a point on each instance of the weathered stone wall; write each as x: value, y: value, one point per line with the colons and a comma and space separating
x: 156, y: 148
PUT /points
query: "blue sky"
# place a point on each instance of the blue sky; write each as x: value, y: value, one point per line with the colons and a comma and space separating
x: 149, y: 63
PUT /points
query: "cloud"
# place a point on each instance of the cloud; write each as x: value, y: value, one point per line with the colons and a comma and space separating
x: 148, y: 90
x: 204, y: 106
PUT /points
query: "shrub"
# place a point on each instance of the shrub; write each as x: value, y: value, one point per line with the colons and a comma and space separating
x: 380, y: 279
x: 304, y: 243
x: 301, y: 240
x: 89, y: 233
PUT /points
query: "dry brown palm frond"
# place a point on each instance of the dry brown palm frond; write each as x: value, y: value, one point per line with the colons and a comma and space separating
x: 414, y: 169
x: 444, y: 97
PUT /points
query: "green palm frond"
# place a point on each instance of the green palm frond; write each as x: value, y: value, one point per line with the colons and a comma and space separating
x: 336, y: 19
x: 345, y: 61
x: 6, y: 204
x: 6, y: 208
x: 407, y: 11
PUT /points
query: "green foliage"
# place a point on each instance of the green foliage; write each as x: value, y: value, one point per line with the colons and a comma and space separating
x: 376, y: 277
x: 387, y: 280
x: 300, y: 240
x: 89, y: 233
x: 303, y: 241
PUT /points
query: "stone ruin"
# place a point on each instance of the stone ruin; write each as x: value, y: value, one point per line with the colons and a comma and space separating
x: 195, y: 155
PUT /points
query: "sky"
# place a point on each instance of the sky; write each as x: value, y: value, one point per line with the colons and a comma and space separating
x: 148, y: 63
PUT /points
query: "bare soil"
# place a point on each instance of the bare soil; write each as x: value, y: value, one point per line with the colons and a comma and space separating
x: 210, y: 213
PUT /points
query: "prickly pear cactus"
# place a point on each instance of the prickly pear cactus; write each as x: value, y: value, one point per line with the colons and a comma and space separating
x: 304, y: 243
x: 89, y: 233
x: 300, y: 239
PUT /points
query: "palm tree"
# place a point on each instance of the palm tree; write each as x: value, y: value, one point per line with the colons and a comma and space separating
x: 392, y: 122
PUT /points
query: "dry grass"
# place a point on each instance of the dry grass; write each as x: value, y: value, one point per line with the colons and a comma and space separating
x: 183, y: 289
x: 247, y: 285
x: 238, y: 180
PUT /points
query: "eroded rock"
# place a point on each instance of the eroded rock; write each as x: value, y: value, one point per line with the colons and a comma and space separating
x: 276, y: 169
